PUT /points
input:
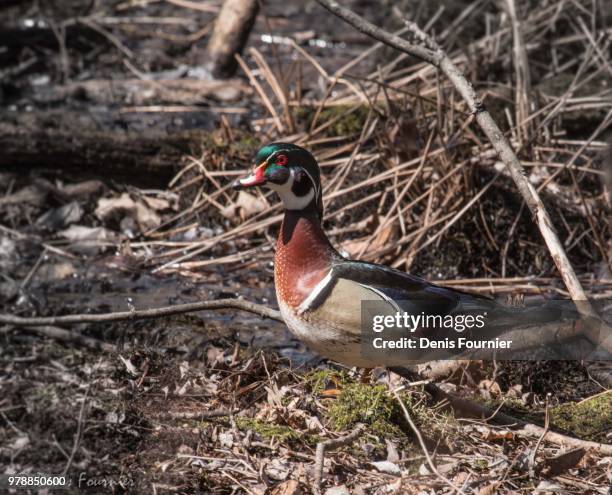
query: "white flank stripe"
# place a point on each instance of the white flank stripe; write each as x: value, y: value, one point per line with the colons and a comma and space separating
x: 315, y: 292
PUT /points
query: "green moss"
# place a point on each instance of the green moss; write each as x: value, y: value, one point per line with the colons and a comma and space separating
x: 244, y: 144
x: 589, y: 419
x: 357, y: 403
x: 368, y: 404
x: 376, y: 407
x: 345, y: 120
x: 319, y: 380
x: 268, y: 431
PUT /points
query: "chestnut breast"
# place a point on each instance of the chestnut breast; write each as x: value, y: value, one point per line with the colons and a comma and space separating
x: 303, y: 258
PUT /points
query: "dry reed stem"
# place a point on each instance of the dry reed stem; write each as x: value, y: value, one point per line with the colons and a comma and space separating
x: 425, y: 48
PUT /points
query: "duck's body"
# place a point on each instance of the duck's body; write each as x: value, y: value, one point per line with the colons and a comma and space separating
x: 303, y: 269
x: 319, y: 292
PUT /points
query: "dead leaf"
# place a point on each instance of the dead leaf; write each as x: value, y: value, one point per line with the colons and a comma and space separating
x: 183, y: 368
x: 185, y: 450
x: 8, y: 253
x: 528, y: 398
x: 562, y: 462
x: 226, y: 440
x: 183, y: 389
x: 163, y: 466
x: 82, y: 190
x: 392, y: 454
x: 331, y: 393
x: 548, y: 487
x: 129, y: 366
x: 353, y: 247
x: 387, y: 467
x: 337, y: 490
x: 490, y: 489
x: 157, y: 204
x: 124, y: 205
x: 515, y: 391
x: 20, y: 442
x: 30, y: 194
x: 115, y: 418
x: 496, y: 435
x: 278, y: 469
x: 77, y: 233
x: 57, y: 271
x: 289, y: 487
x: 245, y: 206
x: 61, y: 217
x: 109, y: 206
x: 146, y: 218
x: 491, y: 386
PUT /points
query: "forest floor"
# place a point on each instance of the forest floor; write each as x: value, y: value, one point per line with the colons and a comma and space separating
x: 117, y: 154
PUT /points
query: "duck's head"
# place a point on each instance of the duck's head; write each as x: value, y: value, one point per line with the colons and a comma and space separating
x: 292, y: 172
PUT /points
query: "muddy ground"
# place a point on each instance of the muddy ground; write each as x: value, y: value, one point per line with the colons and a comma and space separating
x: 114, y: 196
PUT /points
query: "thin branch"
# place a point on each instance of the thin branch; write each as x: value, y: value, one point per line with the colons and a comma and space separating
x: 143, y: 314
x: 78, y: 436
x: 417, y: 433
x: 215, y: 413
x: 425, y: 48
x: 532, y: 457
x: 327, y: 445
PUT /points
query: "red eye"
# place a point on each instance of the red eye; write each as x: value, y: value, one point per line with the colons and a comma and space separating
x: 282, y: 160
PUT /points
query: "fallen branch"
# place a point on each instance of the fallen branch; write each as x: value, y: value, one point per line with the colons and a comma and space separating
x: 425, y: 48
x: 468, y: 408
x: 63, y: 335
x: 327, y: 445
x: 136, y: 92
x: 232, y: 29
x: 202, y: 415
x: 143, y: 314
x: 463, y: 408
x: 149, y: 160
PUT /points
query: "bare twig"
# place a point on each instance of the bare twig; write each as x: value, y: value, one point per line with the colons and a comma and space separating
x: 327, y: 445
x: 417, y: 433
x: 143, y: 314
x: 215, y: 413
x: 532, y: 458
x: 79, y: 433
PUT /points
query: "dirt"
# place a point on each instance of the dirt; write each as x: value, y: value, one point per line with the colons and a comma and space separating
x: 133, y: 420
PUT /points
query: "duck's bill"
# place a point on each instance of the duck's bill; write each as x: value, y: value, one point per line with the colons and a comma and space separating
x: 256, y: 178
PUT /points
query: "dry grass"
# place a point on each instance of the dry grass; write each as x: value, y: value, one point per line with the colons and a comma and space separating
x: 408, y: 179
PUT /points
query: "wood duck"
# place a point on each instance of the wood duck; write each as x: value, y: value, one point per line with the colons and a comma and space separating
x: 319, y: 291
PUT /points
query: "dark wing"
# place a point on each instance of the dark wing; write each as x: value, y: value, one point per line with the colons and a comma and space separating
x: 410, y: 293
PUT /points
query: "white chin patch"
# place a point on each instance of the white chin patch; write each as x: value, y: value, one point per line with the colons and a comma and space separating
x: 289, y: 199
